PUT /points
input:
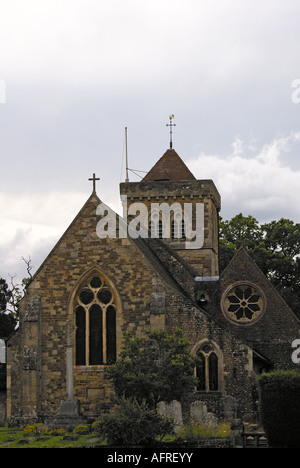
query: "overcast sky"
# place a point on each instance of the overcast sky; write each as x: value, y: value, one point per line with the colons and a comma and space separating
x: 74, y: 74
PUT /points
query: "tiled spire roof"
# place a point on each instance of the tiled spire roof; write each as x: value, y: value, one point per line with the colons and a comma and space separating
x: 169, y: 167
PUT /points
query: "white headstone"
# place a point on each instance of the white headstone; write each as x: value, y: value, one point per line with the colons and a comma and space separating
x: 2, y: 352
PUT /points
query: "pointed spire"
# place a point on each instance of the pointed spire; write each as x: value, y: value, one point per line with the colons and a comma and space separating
x: 169, y: 167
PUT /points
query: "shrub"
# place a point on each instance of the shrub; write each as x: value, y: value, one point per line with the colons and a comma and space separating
x: 40, y: 429
x: 132, y: 423
x: 82, y: 429
x: 279, y: 408
x: 33, y: 428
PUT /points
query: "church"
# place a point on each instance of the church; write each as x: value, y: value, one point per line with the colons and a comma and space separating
x: 94, y: 287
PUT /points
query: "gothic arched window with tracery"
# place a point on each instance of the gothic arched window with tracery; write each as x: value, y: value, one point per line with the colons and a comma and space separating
x: 95, y: 322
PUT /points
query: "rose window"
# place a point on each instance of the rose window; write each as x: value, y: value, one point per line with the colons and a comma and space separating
x: 243, y: 304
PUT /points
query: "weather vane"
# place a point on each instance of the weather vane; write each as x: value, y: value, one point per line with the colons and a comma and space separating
x: 171, y: 125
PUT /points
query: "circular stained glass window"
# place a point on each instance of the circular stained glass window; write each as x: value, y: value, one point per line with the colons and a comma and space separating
x: 243, y: 303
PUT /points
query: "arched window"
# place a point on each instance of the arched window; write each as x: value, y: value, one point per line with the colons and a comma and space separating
x: 207, y: 369
x: 156, y: 229
x: 178, y: 229
x: 95, y: 321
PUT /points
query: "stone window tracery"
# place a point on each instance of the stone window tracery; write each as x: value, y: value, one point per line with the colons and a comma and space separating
x: 243, y: 303
x: 95, y: 321
x: 207, y: 369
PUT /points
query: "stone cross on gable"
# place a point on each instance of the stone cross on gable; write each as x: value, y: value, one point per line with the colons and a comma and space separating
x: 94, y: 178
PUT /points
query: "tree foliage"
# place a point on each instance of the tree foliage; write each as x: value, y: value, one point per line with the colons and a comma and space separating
x: 279, y: 394
x: 157, y: 368
x: 7, y: 318
x: 10, y: 297
x: 274, y: 246
x: 132, y: 423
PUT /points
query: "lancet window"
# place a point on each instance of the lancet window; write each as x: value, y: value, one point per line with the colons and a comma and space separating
x: 207, y: 369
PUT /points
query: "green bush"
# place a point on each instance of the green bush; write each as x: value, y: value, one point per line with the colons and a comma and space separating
x: 132, y: 423
x: 33, y: 428
x: 82, y: 429
x: 279, y: 396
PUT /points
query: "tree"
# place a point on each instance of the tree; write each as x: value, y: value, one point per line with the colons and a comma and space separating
x: 10, y: 297
x: 241, y: 231
x: 157, y: 368
x: 282, y: 238
x: 16, y: 290
x: 7, y: 319
x: 274, y: 246
x: 4, y: 295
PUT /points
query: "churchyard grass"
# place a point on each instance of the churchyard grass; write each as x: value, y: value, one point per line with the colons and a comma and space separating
x: 36, y: 436
x: 11, y: 437
x: 194, y: 432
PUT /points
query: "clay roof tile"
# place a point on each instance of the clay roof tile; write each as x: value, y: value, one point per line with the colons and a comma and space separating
x: 169, y: 167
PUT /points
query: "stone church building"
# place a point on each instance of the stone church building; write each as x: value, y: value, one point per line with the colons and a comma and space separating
x: 91, y: 289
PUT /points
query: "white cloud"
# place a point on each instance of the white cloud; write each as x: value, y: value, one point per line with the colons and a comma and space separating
x: 162, y: 41
x: 254, y: 181
x: 76, y: 73
x: 31, y: 223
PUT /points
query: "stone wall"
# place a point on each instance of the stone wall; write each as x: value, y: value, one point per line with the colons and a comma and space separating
x: 2, y: 393
x: 39, y: 381
x: 205, y: 259
x: 148, y: 297
x: 274, y: 332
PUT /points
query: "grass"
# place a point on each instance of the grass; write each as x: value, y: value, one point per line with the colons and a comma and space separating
x: 36, y: 436
x: 194, y: 432
x: 18, y: 438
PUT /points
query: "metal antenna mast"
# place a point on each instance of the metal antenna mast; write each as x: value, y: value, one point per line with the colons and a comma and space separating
x: 127, y: 179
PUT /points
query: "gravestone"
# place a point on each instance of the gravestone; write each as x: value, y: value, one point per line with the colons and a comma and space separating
x: 172, y: 411
x: 68, y: 416
x: 2, y: 352
x: 237, y: 429
x: 200, y: 415
x: 229, y: 408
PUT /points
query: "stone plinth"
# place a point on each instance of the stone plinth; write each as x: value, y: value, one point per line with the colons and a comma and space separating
x: 68, y: 416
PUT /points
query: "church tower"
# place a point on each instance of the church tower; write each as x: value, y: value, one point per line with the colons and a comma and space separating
x: 173, y: 198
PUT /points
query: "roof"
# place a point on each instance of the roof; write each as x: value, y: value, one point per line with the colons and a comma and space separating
x: 169, y: 167
x: 171, y: 267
